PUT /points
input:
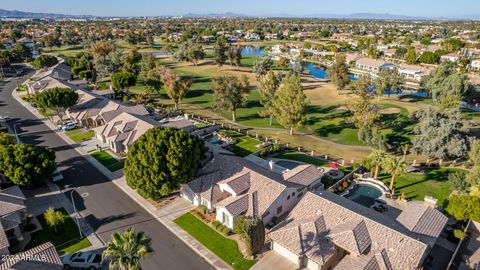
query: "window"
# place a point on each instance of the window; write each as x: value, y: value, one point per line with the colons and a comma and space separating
x: 293, y: 194
x: 300, y: 194
x: 225, y: 218
x: 279, y: 210
x: 79, y: 260
x: 288, y: 197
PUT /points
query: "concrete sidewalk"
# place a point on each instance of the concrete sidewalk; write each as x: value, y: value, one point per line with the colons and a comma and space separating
x: 166, y: 214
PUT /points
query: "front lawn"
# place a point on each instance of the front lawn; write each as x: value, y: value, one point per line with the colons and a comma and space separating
x: 66, y: 239
x: 224, y: 248
x: 82, y: 136
x: 108, y: 161
x: 244, y: 145
x: 297, y: 156
x: 418, y: 185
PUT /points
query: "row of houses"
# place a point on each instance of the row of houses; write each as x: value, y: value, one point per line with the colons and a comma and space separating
x: 315, y: 229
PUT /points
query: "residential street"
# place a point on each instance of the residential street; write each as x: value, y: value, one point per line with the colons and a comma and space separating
x: 106, y: 208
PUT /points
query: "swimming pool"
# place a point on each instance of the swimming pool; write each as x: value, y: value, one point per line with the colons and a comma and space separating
x: 287, y: 164
x: 213, y: 139
x: 364, y: 195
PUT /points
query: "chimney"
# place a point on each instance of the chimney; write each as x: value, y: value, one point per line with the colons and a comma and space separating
x: 254, y: 204
x: 270, y: 164
x: 430, y: 201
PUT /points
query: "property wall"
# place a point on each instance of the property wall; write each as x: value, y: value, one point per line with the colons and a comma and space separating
x: 286, y: 253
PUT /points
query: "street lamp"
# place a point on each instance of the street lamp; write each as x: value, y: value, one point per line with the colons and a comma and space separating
x: 76, y: 213
x: 16, y: 134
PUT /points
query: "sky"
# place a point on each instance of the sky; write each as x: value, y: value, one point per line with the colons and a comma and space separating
x: 424, y: 8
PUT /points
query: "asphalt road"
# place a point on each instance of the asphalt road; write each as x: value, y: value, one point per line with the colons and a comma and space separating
x: 106, y: 208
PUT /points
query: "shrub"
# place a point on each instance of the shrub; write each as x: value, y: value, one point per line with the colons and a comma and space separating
x: 85, y: 74
x: 275, y: 148
x: 240, y: 225
x: 340, y: 189
x: 44, y: 61
x: 216, y: 223
x: 202, y: 209
x: 345, y: 184
x: 225, y: 231
x: 263, y: 153
x: 459, y: 234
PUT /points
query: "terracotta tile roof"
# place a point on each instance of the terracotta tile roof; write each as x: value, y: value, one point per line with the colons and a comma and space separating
x: 4, y: 243
x: 44, y: 256
x: 239, y: 183
x: 11, y: 200
x: 374, y: 235
x: 304, y: 175
x: 423, y: 219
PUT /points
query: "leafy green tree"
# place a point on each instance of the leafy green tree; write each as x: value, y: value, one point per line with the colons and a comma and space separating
x: 395, y: 166
x: 102, y: 48
x: 388, y: 80
x: 473, y: 177
x: 219, y: 52
x: 283, y: 63
x: 6, y: 139
x: 458, y: 181
x: 175, y: 86
x: 267, y: 88
x: 474, y: 153
x: 240, y: 225
x: 373, y: 138
x: 365, y: 114
x: 338, y: 72
x: 440, y: 134
x: 109, y: 64
x: 290, y: 103
x: 428, y: 58
x: 238, y: 57
x: 150, y: 73
x: 44, y: 61
x: 162, y: 159
x: 377, y: 159
x: 126, y: 250
x: 452, y: 45
x: 400, y: 52
x: 464, y: 207
x: 58, y: 99
x: 426, y: 41
x: 410, y: 57
x: 230, y: 93
x: 54, y: 218
x: 255, y: 235
x: 445, y: 81
x: 123, y: 80
x: 26, y: 164
x: 85, y: 74
x: 261, y: 67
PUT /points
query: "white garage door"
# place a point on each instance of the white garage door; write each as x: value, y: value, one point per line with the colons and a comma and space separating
x: 285, y: 253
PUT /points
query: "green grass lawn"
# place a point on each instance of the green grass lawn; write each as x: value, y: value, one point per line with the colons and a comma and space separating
x: 108, y: 161
x: 72, y: 132
x: 82, y: 136
x: 66, y: 239
x: 201, y: 125
x: 297, y: 156
x: 416, y: 185
x: 245, y: 145
x: 224, y: 248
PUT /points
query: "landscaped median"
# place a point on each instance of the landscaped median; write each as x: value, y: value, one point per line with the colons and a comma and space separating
x: 66, y: 239
x: 111, y: 163
x: 224, y: 248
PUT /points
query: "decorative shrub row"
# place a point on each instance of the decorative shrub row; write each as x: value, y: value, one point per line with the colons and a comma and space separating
x: 221, y: 228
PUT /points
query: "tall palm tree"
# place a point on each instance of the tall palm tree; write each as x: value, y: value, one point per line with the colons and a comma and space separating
x: 395, y: 166
x: 378, y: 159
x: 125, y: 250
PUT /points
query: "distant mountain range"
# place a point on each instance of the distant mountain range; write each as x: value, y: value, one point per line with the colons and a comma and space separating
x: 355, y: 16
x: 36, y: 15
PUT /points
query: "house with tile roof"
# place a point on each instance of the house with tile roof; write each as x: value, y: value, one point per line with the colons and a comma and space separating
x: 94, y: 110
x: 123, y: 130
x: 42, y: 257
x: 372, y: 65
x: 327, y: 231
x: 235, y: 186
x: 57, y: 76
x: 12, y: 212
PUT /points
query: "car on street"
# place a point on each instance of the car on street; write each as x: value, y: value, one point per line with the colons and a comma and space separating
x: 83, y: 260
x: 57, y: 176
x: 68, y: 126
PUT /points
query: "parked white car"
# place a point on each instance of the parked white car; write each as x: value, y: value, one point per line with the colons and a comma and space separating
x: 69, y: 126
x: 83, y: 260
x: 57, y: 176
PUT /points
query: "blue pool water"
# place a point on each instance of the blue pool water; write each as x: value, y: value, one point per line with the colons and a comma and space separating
x: 364, y: 195
x: 160, y: 53
x: 253, y: 51
x: 287, y: 164
x: 213, y: 139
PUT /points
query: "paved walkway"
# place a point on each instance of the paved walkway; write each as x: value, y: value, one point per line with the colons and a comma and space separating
x: 165, y: 214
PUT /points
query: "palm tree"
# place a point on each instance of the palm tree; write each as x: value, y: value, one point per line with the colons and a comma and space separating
x: 125, y: 250
x: 395, y: 166
x: 378, y: 159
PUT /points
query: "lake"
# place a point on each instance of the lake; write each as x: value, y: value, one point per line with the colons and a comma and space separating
x: 254, y: 51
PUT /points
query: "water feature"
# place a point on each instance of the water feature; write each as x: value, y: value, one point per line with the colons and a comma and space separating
x: 213, y: 139
x: 287, y: 164
x: 364, y: 195
x: 253, y: 51
x: 160, y: 53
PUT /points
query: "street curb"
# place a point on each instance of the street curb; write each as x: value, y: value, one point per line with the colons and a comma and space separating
x: 130, y: 193
x: 116, y: 181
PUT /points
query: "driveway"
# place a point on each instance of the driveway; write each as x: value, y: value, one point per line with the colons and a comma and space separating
x: 273, y: 260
